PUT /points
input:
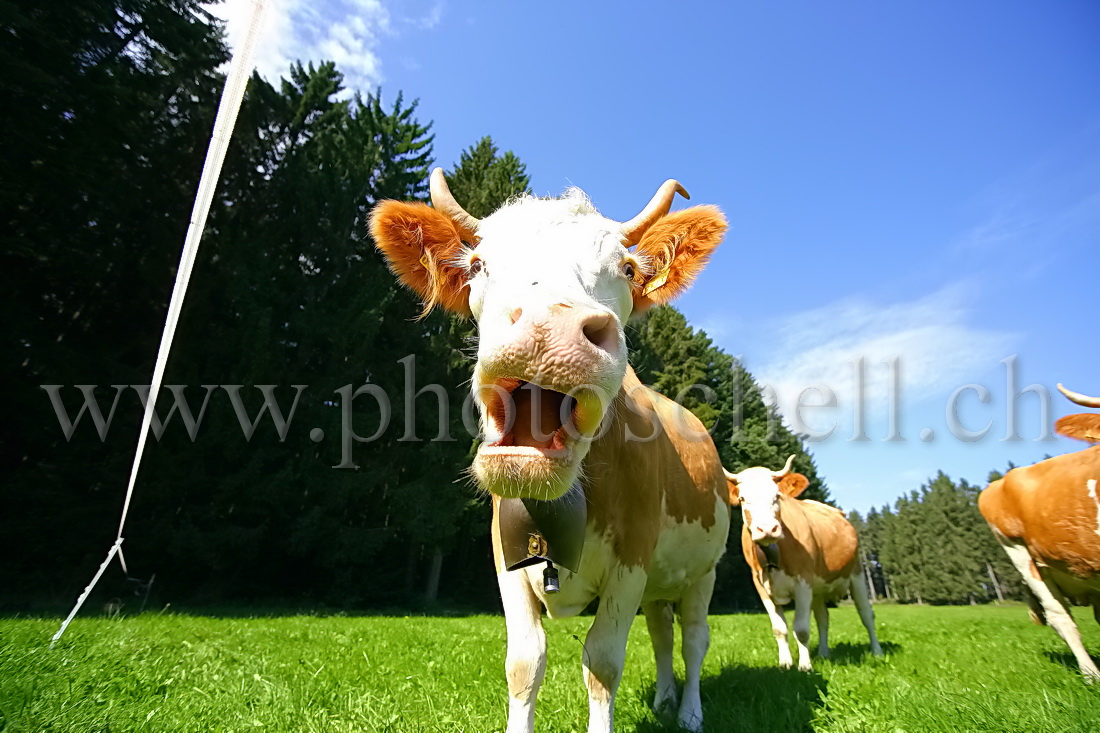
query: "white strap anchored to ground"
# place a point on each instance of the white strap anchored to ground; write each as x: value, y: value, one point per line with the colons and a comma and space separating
x: 240, y: 69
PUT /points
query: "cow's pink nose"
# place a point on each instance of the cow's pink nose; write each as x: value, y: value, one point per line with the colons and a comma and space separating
x: 559, y: 347
x: 572, y: 328
x: 767, y: 534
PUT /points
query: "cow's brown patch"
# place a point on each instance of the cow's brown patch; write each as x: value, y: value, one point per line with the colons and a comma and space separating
x: 1049, y: 507
x: 1034, y: 571
x: 642, y: 483
x: 601, y: 678
x: 521, y: 678
x: 638, y: 478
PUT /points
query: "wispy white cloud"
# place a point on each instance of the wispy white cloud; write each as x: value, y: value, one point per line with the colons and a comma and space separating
x: 1003, y: 226
x: 345, y: 31
x: 934, y: 346
x: 426, y: 19
x: 1050, y: 205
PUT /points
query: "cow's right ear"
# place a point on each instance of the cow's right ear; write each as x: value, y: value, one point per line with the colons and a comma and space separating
x: 793, y: 484
x: 425, y: 250
x: 734, y: 490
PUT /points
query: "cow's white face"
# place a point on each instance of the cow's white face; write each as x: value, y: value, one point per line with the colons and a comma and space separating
x: 757, y: 490
x: 550, y: 283
x: 551, y: 286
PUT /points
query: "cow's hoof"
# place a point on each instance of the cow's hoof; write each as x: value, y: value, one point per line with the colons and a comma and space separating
x: 691, y: 721
x: 665, y: 701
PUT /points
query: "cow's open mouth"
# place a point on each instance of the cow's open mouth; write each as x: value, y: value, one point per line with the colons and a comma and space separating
x: 522, y: 415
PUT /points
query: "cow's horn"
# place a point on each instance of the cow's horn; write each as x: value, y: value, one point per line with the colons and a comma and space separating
x: 658, y: 206
x: 1081, y: 399
x: 786, y: 468
x: 444, y: 201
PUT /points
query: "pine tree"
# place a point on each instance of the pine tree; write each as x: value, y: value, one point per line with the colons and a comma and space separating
x: 108, y: 107
x: 1004, y: 580
x: 483, y: 179
x: 860, y: 527
x: 937, y: 548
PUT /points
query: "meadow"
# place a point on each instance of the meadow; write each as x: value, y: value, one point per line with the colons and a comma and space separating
x: 972, y: 668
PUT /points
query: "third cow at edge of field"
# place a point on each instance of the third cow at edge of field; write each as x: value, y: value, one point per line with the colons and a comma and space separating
x: 1047, y: 518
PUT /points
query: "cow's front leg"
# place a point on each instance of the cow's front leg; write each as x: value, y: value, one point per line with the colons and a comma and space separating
x: 696, y: 639
x: 605, y: 645
x: 658, y: 617
x: 526, y: 660
x: 803, y: 602
x: 779, y: 629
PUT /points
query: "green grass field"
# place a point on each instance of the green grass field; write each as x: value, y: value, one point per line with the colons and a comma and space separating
x: 946, y: 669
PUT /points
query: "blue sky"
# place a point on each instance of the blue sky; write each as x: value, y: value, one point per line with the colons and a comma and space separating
x: 916, y: 183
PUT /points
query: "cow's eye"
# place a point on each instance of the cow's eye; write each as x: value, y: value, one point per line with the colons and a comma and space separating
x: 628, y: 270
x: 475, y: 267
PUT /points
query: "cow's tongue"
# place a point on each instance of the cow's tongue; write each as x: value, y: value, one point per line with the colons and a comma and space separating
x: 537, y: 416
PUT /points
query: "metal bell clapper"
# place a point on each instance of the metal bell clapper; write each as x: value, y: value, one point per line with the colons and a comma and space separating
x: 550, y: 578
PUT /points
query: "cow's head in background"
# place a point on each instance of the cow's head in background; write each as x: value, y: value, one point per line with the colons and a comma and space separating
x: 550, y: 283
x: 757, y: 491
x: 1082, y: 426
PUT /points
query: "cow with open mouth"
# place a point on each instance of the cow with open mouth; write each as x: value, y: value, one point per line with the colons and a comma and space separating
x: 601, y: 487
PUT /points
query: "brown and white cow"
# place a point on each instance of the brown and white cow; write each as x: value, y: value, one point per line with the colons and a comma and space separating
x: 1047, y: 518
x: 798, y: 550
x: 565, y: 422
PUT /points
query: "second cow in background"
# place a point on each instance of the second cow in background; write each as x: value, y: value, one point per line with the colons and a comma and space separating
x: 801, y: 551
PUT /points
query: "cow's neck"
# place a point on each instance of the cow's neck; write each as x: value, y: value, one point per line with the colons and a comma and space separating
x: 633, y: 410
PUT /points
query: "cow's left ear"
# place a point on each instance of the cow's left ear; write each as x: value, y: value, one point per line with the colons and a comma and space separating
x: 1083, y: 426
x: 793, y: 484
x: 425, y: 249
x: 674, y: 250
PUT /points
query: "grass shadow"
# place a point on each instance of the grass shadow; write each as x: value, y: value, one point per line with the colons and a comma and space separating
x: 1067, y: 660
x: 258, y: 611
x: 751, y: 699
x: 846, y: 653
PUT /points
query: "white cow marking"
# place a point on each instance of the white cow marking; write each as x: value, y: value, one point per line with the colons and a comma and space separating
x: 1092, y: 494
